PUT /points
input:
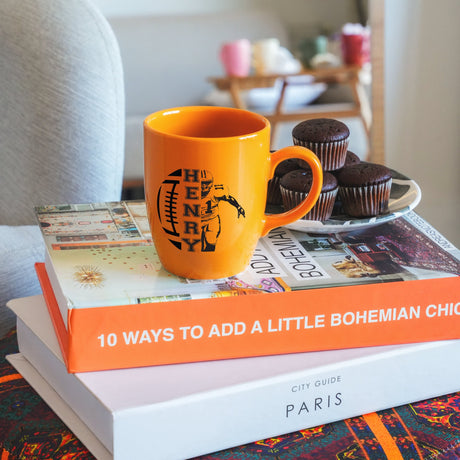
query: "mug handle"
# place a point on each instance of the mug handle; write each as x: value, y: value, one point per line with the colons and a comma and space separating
x: 277, y: 220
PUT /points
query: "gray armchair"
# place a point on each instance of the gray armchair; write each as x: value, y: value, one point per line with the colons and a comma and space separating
x: 62, y: 125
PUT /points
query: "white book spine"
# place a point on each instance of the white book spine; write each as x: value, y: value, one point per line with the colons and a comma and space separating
x: 221, y: 418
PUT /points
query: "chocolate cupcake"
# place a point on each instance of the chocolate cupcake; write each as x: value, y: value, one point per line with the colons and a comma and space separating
x: 351, y: 159
x: 327, y: 138
x: 295, y: 185
x: 364, y: 189
x: 273, y: 188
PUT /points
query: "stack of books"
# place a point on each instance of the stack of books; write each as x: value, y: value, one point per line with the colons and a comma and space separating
x: 319, y: 328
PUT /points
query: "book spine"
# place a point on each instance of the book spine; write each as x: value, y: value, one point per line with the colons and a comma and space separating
x: 260, y: 409
x: 261, y: 324
x: 295, y: 402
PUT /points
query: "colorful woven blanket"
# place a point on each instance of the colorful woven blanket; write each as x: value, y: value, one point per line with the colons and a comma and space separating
x: 426, y: 430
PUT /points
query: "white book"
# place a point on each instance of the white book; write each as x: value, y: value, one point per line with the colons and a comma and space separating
x: 185, y: 410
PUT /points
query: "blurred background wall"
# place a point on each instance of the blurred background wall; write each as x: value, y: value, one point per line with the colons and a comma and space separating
x: 422, y: 104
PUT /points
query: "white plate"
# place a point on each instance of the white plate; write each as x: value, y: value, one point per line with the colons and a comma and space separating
x: 405, y: 195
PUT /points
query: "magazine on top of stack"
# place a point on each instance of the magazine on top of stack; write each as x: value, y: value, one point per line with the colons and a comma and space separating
x: 114, y: 306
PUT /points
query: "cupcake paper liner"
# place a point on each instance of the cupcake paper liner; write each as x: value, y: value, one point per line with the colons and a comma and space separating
x: 322, y: 209
x: 365, y: 201
x: 273, y: 191
x: 332, y: 155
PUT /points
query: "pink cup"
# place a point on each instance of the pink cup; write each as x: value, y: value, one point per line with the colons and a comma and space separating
x: 236, y: 57
x: 355, y: 49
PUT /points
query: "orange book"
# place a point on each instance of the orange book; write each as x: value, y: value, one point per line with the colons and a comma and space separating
x: 114, y: 307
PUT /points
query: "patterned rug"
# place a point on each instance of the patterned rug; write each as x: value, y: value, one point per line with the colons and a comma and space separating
x: 426, y: 430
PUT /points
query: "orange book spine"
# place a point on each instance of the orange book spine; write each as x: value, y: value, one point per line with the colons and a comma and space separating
x: 264, y: 324
x: 53, y: 309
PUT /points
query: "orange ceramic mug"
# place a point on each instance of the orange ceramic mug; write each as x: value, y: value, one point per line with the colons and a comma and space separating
x: 206, y: 172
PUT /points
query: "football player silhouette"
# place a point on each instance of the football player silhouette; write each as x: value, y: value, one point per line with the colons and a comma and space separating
x: 211, y: 195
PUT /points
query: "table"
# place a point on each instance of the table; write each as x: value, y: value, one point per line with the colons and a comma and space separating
x: 29, y: 429
x: 347, y: 75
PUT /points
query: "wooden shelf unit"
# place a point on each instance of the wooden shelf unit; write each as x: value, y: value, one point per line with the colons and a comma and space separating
x: 346, y: 75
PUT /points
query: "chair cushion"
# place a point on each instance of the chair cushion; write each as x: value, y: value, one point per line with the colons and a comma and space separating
x: 20, y: 248
x: 62, y: 118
